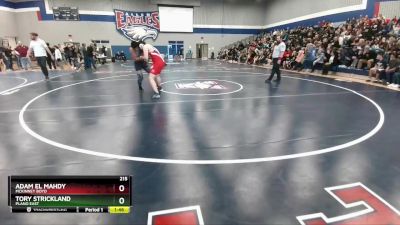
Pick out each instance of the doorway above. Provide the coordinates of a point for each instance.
(202, 51)
(175, 48)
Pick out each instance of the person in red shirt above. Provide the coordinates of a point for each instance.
(22, 51)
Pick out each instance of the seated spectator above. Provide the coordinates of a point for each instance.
(299, 60)
(396, 79)
(319, 61)
(286, 57)
(123, 56)
(374, 74)
(333, 63)
(310, 55)
(251, 54)
(117, 56)
(290, 61)
(353, 54)
(391, 69)
(356, 44)
(243, 56)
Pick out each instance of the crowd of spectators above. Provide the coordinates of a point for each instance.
(71, 56)
(371, 44)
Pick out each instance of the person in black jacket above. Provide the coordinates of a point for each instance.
(333, 62)
(50, 62)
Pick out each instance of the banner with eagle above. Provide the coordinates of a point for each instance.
(137, 26)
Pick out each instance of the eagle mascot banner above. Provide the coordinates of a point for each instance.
(137, 26)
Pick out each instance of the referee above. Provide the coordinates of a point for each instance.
(279, 50)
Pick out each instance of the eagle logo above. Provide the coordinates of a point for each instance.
(139, 33)
(137, 26)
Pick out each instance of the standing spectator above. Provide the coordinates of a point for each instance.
(2, 63)
(103, 50)
(57, 55)
(17, 54)
(23, 57)
(40, 51)
(90, 56)
(68, 52)
(9, 62)
(50, 57)
(75, 55)
(82, 51)
(279, 50)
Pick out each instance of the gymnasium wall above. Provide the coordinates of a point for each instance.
(388, 9)
(284, 13)
(210, 12)
(217, 23)
(84, 31)
(7, 24)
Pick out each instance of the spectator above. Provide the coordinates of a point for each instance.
(396, 79)
(374, 74)
(310, 55)
(23, 58)
(391, 69)
(2, 63)
(8, 58)
(319, 61)
(19, 44)
(299, 60)
(83, 54)
(90, 56)
(333, 62)
(68, 54)
(50, 57)
(57, 55)
(357, 42)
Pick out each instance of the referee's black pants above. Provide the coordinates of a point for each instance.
(42, 64)
(275, 69)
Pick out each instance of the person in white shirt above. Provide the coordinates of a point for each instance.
(40, 50)
(57, 55)
(279, 51)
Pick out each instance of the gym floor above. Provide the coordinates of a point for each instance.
(220, 140)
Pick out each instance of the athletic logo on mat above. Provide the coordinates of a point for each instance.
(137, 26)
(188, 216)
(372, 208)
(213, 85)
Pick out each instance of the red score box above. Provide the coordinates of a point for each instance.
(82, 189)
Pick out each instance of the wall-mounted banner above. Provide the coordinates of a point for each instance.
(137, 26)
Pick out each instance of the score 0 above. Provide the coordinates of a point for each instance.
(122, 188)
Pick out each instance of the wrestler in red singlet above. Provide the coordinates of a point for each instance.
(150, 51)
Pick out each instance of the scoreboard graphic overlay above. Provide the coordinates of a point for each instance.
(70, 194)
